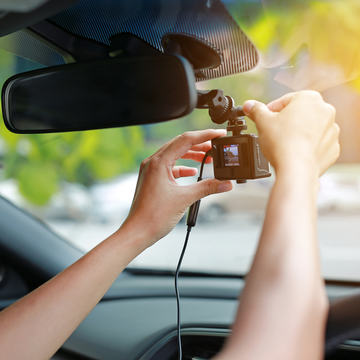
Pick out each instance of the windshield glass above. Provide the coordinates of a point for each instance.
(81, 183)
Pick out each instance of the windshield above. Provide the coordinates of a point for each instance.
(81, 183)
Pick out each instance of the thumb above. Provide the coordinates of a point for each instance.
(255, 110)
(209, 186)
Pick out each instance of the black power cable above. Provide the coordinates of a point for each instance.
(190, 222)
(177, 293)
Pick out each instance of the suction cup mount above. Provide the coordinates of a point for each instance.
(201, 54)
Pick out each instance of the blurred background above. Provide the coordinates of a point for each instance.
(82, 183)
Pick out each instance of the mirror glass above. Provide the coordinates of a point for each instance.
(116, 92)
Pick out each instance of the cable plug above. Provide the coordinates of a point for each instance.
(192, 214)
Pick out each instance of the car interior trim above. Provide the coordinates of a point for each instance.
(187, 331)
(353, 345)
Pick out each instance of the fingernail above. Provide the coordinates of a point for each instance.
(248, 105)
(223, 187)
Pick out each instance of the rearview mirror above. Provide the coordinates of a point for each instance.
(116, 92)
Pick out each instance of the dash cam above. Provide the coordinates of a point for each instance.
(237, 157)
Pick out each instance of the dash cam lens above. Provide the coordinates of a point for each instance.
(231, 155)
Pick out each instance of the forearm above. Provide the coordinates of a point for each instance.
(283, 305)
(287, 250)
(37, 325)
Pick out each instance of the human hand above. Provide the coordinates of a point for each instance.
(159, 202)
(297, 128)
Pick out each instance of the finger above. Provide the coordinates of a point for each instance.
(333, 154)
(196, 156)
(202, 148)
(256, 111)
(206, 146)
(329, 140)
(183, 171)
(329, 148)
(183, 143)
(207, 187)
(279, 104)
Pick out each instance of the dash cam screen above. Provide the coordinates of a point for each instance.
(231, 155)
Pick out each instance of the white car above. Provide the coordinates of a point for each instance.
(72, 202)
(112, 199)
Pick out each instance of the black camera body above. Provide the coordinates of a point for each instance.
(239, 158)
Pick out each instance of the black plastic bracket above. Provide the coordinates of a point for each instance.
(201, 54)
(129, 44)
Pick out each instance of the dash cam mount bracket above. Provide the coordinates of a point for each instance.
(222, 108)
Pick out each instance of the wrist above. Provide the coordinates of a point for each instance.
(129, 239)
(299, 174)
(297, 166)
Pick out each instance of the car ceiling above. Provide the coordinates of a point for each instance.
(89, 24)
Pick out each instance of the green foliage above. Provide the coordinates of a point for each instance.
(37, 181)
(40, 162)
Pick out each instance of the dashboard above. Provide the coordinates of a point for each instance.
(139, 323)
(136, 319)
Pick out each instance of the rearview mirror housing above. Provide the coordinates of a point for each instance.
(116, 92)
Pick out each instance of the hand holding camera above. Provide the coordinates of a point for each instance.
(295, 129)
(159, 202)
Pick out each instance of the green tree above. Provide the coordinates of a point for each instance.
(40, 162)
